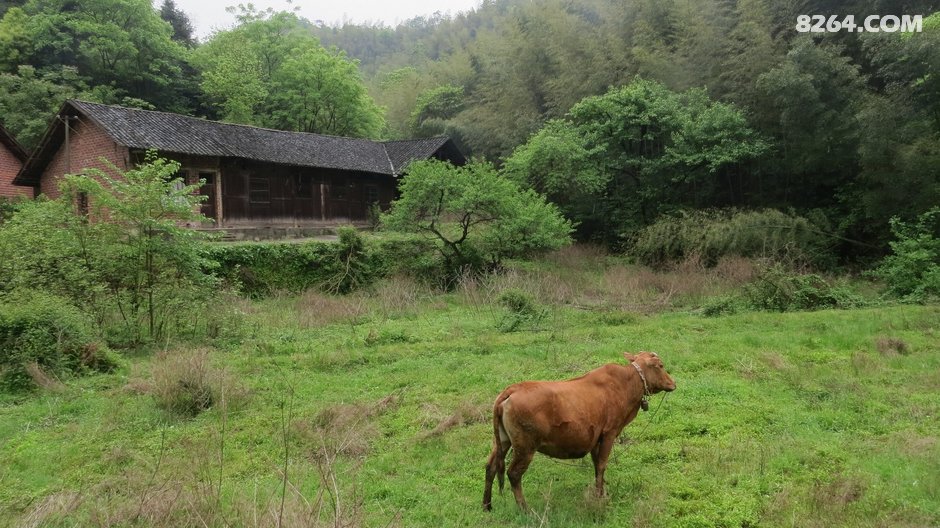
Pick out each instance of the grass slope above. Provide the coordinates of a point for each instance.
(791, 419)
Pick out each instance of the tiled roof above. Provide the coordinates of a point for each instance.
(11, 144)
(400, 153)
(145, 129)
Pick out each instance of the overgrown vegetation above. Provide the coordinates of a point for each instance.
(371, 408)
(356, 261)
(712, 235)
(129, 262)
(617, 161)
(912, 271)
(44, 336)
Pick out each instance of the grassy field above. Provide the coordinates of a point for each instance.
(376, 408)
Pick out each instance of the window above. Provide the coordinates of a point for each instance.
(304, 186)
(178, 181)
(372, 194)
(259, 190)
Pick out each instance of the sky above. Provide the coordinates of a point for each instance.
(208, 15)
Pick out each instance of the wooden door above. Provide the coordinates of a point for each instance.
(207, 208)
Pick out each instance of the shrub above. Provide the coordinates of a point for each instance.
(777, 289)
(47, 335)
(711, 235)
(351, 263)
(261, 269)
(354, 267)
(523, 310)
(912, 271)
(9, 206)
(410, 255)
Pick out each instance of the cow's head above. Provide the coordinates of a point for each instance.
(657, 379)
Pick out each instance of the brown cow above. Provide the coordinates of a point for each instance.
(569, 419)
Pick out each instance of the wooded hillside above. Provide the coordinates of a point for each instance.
(843, 128)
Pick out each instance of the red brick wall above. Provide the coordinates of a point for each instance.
(9, 166)
(88, 144)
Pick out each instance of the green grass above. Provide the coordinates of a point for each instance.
(792, 419)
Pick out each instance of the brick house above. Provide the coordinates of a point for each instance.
(12, 157)
(253, 176)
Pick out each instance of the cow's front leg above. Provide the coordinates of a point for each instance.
(599, 455)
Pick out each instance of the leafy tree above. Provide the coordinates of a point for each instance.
(149, 260)
(119, 42)
(809, 104)
(270, 71)
(29, 97)
(441, 103)
(398, 92)
(475, 215)
(14, 39)
(557, 162)
(233, 79)
(183, 31)
(319, 90)
(120, 45)
(618, 161)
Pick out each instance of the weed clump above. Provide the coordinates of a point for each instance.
(912, 271)
(185, 382)
(523, 310)
(892, 346)
(466, 413)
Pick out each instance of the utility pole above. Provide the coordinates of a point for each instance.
(68, 155)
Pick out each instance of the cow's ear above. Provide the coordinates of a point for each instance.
(630, 357)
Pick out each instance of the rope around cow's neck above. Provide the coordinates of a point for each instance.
(644, 400)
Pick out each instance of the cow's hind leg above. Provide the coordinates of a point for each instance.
(521, 459)
(495, 468)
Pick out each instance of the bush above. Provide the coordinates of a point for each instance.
(523, 310)
(409, 255)
(47, 332)
(353, 269)
(913, 270)
(260, 269)
(711, 235)
(777, 289)
(9, 206)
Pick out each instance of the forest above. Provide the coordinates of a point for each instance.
(620, 111)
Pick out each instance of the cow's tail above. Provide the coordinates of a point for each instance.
(496, 465)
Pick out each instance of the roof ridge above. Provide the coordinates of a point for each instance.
(389, 158)
(224, 123)
(439, 136)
